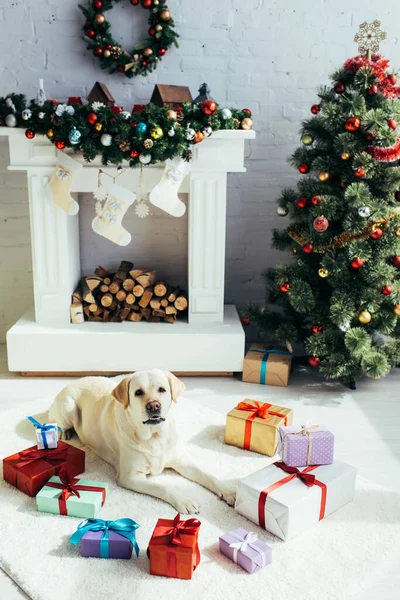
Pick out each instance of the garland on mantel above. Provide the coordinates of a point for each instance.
(151, 135)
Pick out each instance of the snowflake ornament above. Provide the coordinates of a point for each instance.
(100, 195)
(97, 105)
(142, 210)
(369, 36)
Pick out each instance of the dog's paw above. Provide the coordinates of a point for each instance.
(227, 491)
(66, 435)
(185, 505)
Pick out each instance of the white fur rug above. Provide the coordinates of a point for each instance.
(337, 559)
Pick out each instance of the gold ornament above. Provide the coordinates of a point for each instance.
(98, 127)
(156, 2)
(307, 139)
(116, 52)
(156, 133)
(364, 317)
(106, 54)
(235, 123)
(147, 52)
(345, 155)
(247, 123)
(323, 273)
(50, 133)
(396, 310)
(158, 28)
(398, 232)
(324, 176)
(165, 15)
(99, 18)
(148, 144)
(172, 114)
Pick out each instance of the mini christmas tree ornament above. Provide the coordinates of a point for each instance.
(282, 211)
(284, 287)
(307, 248)
(11, 120)
(303, 168)
(246, 124)
(321, 224)
(301, 202)
(352, 124)
(339, 87)
(324, 176)
(315, 200)
(58, 189)
(387, 290)
(392, 123)
(208, 107)
(376, 233)
(109, 214)
(364, 317)
(165, 194)
(360, 173)
(364, 211)
(314, 361)
(226, 114)
(396, 261)
(30, 134)
(373, 89)
(74, 136)
(317, 329)
(26, 114)
(323, 273)
(145, 159)
(345, 155)
(396, 310)
(315, 109)
(357, 263)
(307, 139)
(106, 139)
(157, 133)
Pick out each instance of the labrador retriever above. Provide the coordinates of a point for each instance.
(130, 424)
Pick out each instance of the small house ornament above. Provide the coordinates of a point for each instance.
(101, 93)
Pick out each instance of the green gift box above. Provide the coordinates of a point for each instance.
(65, 495)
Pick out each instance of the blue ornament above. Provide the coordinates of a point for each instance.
(141, 128)
(74, 136)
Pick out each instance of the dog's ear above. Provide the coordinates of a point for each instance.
(176, 385)
(121, 392)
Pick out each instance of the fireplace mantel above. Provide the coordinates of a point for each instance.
(212, 338)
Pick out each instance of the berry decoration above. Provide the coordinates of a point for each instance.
(357, 263)
(360, 173)
(339, 87)
(308, 248)
(387, 290)
(284, 287)
(352, 124)
(314, 361)
(397, 195)
(301, 202)
(373, 89)
(315, 200)
(317, 329)
(392, 78)
(376, 233)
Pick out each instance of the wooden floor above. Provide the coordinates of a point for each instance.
(366, 423)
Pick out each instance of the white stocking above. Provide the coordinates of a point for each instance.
(58, 189)
(108, 222)
(165, 194)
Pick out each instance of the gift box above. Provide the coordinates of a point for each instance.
(30, 469)
(66, 495)
(245, 549)
(286, 501)
(46, 434)
(106, 539)
(255, 426)
(270, 366)
(173, 549)
(306, 445)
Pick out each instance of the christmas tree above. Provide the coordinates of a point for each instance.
(341, 294)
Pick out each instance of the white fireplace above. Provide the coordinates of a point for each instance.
(211, 340)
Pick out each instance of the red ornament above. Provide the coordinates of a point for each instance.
(392, 78)
(92, 118)
(98, 51)
(284, 287)
(314, 361)
(134, 153)
(370, 136)
(301, 202)
(396, 261)
(152, 31)
(109, 46)
(377, 233)
(117, 109)
(30, 134)
(315, 109)
(303, 168)
(352, 124)
(359, 172)
(315, 200)
(245, 320)
(121, 69)
(90, 33)
(387, 290)
(97, 4)
(373, 89)
(392, 123)
(397, 195)
(208, 107)
(317, 329)
(162, 51)
(144, 63)
(357, 263)
(343, 184)
(146, 3)
(247, 111)
(321, 224)
(339, 87)
(60, 144)
(308, 248)
(135, 2)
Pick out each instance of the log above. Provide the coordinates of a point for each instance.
(77, 296)
(136, 273)
(136, 307)
(135, 316)
(128, 284)
(145, 299)
(87, 311)
(114, 287)
(152, 319)
(160, 289)
(170, 310)
(159, 313)
(104, 288)
(120, 296)
(93, 282)
(138, 291)
(172, 296)
(107, 280)
(106, 315)
(155, 303)
(115, 316)
(130, 299)
(169, 319)
(124, 313)
(99, 312)
(146, 279)
(181, 303)
(146, 312)
(101, 272)
(107, 300)
(123, 270)
(164, 302)
(76, 312)
(87, 295)
(93, 307)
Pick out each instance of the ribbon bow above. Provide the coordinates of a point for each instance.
(64, 108)
(28, 456)
(189, 527)
(61, 174)
(242, 544)
(307, 478)
(43, 428)
(305, 429)
(259, 409)
(124, 527)
(175, 175)
(70, 486)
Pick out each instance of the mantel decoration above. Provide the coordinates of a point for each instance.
(144, 57)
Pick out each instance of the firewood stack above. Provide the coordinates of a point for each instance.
(127, 295)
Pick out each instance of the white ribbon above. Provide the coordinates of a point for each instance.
(175, 175)
(245, 542)
(61, 174)
(64, 108)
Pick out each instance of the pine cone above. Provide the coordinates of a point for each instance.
(148, 144)
(116, 52)
(187, 155)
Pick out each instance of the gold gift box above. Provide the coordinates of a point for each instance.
(258, 434)
(274, 370)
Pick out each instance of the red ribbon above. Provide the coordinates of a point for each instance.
(173, 534)
(308, 480)
(69, 488)
(259, 410)
(30, 455)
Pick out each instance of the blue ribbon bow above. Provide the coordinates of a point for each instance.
(43, 427)
(124, 527)
(267, 352)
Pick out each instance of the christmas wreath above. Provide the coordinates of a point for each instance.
(145, 56)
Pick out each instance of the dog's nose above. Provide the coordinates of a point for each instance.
(153, 406)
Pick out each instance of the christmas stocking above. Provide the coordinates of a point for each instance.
(111, 212)
(57, 190)
(165, 194)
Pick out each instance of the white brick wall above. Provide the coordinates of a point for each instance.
(269, 55)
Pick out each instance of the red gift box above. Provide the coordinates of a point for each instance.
(30, 469)
(173, 549)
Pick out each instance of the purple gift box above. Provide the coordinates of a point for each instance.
(118, 545)
(301, 446)
(243, 548)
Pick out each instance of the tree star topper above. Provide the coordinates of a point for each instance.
(369, 36)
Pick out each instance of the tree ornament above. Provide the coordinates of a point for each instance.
(284, 287)
(90, 33)
(134, 2)
(307, 139)
(364, 211)
(26, 114)
(317, 329)
(396, 310)
(208, 107)
(307, 248)
(345, 155)
(324, 176)
(158, 28)
(301, 202)
(162, 51)
(30, 134)
(60, 144)
(345, 326)
(360, 173)
(226, 113)
(134, 153)
(339, 87)
(199, 137)
(50, 133)
(392, 78)
(370, 136)
(92, 118)
(147, 52)
(376, 233)
(246, 111)
(145, 159)
(398, 232)
(364, 317)
(10, 120)
(106, 139)
(98, 126)
(172, 114)
(315, 109)
(352, 124)
(357, 263)
(323, 273)
(190, 133)
(392, 123)
(303, 168)
(171, 132)
(245, 320)
(74, 136)
(207, 131)
(97, 4)
(157, 133)
(246, 124)
(282, 211)
(98, 51)
(116, 52)
(141, 128)
(99, 19)
(146, 3)
(321, 224)
(396, 261)
(165, 15)
(315, 200)
(106, 53)
(314, 361)
(397, 195)
(373, 89)
(387, 290)
(148, 144)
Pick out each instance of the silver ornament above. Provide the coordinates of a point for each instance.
(282, 211)
(190, 133)
(345, 326)
(145, 159)
(171, 132)
(26, 114)
(10, 120)
(226, 113)
(41, 115)
(125, 114)
(364, 211)
(106, 139)
(207, 131)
